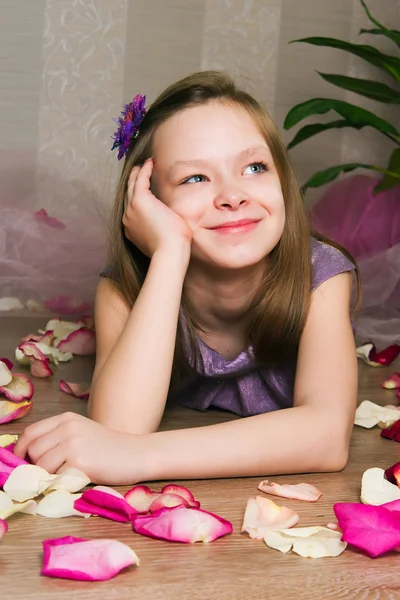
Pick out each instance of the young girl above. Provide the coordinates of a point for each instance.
(216, 295)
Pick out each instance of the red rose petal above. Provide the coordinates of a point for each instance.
(385, 357)
(8, 462)
(3, 527)
(392, 432)
(392, 474)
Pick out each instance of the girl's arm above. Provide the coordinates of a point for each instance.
(314, 435)
(135, 348)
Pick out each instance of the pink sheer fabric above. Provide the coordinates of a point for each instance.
(47, 264)
(368, 226)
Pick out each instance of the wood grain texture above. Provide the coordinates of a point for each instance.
(234, 567)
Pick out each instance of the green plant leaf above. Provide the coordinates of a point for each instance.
(392, 34)
(355, 115)
(389, 64)
(327, 175)
(382, 30)
(390, 180)
(364, 87)
(310, 130)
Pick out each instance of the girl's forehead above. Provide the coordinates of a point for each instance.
(206, 128)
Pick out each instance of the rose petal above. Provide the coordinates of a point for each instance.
(8, 507)
(374, 529)
(19, 389)
(81, 342)
(75, 389)
(182, 491)
(309, 542)
(26, 482)
(5, 373)
(3, 528)
(10, 303)
(140, 497)
(375, 489)
(38, 361)
(181, 524)
(392, 474)
(86, 560)
(369, 414)
(392, 383)
(71, 480)
(11, 411)
(386, 356)
(45, 338)
(167, 500)
(6, 440)
(298, 491)
(264, 515)
(7, 363)
(62, 329)
(43, 217)
(105, 502)
(58, 504)
(392, 432)
(8, 462)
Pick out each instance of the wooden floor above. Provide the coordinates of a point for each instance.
(234, 567)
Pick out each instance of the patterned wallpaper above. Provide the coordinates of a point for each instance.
(69, 65)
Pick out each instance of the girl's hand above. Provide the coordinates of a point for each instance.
(150, 224)
(70, 440)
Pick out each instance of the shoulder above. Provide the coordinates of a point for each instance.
(326, 262)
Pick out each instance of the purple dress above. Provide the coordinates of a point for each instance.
(239, 385)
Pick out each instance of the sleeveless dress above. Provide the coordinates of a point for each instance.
(239, 385)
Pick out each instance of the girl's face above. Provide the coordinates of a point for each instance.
(213, 167)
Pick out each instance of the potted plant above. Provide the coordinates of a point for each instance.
(352, 115)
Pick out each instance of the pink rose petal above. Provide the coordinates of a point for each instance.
(8, 462)
(392, 383)
(182, 491)
(181, 524)
(392, 474)
(19, 389)
(11, 411)
(298, 491)
(46, 338)
(140, 497)
(107, 503)
(42, 217)
(167, 500)
(39, 362)
(81, 342)
(392, 432)
(75, 389)
(85, 560)
(3, 527)
(7, 362)
(262, 515)
(374, 529)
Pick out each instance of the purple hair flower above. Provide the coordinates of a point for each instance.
(128, 124)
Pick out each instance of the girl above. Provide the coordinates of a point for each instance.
(216, 295)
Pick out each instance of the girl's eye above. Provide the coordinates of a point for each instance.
(258, 167)
(194, 179)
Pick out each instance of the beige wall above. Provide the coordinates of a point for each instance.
(68, 66)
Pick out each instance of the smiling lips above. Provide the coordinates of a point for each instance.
(242, 226)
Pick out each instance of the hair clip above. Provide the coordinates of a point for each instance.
(128, 124)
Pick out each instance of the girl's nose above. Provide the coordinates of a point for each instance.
(231, 197)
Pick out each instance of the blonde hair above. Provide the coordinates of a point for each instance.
(277, 315)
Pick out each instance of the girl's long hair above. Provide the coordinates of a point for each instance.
(278, 312)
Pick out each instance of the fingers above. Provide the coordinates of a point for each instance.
(43, 444)
(54, 460)
(139, 179)
(35, 431)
